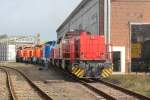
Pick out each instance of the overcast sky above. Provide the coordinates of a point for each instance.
(31, 16)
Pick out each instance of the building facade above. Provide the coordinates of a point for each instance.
(9, 44)
(116, 19)
(85, 16)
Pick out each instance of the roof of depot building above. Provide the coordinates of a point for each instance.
(75, 11)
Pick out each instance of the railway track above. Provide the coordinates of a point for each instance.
(116, 92)
(103, 89)
(101, 95)
(107, 90)
(21, 87)
(127, 94)
(5, 90)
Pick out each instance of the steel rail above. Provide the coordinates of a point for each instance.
(40, 92)
(129, 92)
(9, 85)
(90, 87)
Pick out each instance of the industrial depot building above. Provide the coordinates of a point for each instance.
(125, 23)
(9, 45)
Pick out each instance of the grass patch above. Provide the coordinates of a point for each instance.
(137, 83)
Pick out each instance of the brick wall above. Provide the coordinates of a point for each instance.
(122, 13)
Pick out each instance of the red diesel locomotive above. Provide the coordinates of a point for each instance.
(84, 54)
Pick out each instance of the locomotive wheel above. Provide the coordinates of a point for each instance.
(107, 72)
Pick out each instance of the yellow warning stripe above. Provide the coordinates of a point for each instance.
(108, 72)
(74, 70)
(103, 75)
(80, 73)
(77, 71)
